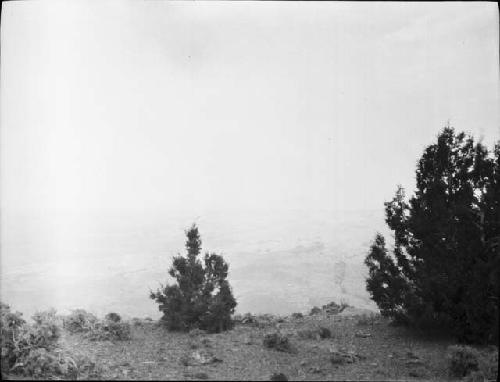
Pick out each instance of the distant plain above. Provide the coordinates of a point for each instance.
(280, 262)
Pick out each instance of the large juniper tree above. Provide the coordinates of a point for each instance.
(443, 265)
(202, 296)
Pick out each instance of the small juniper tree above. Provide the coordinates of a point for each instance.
(202, 296)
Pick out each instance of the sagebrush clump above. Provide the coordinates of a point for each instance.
(115, 317)
(462, 360)
(109, 329)
(202, 296)
(32, 350)
(367, 319)
(80, 321)
(315, 310)
(279, 342)
(317, 333)
(465, 361)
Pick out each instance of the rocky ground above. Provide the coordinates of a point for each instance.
(346, 346)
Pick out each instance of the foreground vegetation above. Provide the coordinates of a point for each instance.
(331, 343)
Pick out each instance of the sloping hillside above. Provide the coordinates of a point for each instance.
(373, 350)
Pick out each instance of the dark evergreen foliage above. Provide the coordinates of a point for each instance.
(443, 267)
(201, 297)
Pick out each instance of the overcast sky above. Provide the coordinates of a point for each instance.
(207, 105)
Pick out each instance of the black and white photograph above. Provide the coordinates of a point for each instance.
(249, 190)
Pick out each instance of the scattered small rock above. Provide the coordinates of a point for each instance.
(204, 358)
(414, 362)
(315, 370)
(206, 342)
(202, 376)
(416, 374)
(341, 357)
(184, 360)
(410, 354)
(362, 335)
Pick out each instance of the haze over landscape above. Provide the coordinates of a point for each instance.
(280, 129)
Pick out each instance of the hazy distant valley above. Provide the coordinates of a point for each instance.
(280, 262)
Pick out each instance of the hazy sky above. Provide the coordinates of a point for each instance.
(156, 104)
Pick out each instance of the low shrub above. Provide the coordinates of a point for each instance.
(80, 321)
(31, 350)
(114, 317)
(278, 342)
(334, 308)
(237, 318)
(315, 310)
(475, 365)
(42, 363)
(201, 375)
(143, 322)
(488, 367)
(196, 332)
(308, 334)
(267, 318)
(87, 368)
(297, 316)
(324, 332)
(10, 320)
(260, 321)
(248, 318)
(10, 326)
(315, 333)
(137, 321)
(488, 364)
(48, 328)
(109, 331)
(20, 338)
(278, 377)
(462, 360)
(367, 319)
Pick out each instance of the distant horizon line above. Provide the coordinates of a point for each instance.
(161, 210)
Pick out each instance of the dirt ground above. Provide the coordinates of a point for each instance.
(378, 351)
